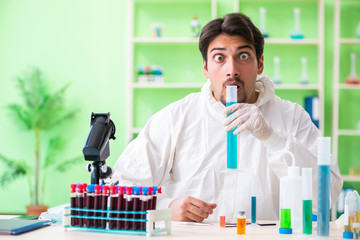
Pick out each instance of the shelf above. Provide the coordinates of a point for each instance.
(348, 86)
(168, 85)
(196, 40)
(296, 87)
(346, 132)
(164, 40)
(292, 41)
(349, 41)
(349, 178)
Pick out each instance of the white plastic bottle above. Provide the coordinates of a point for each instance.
(291, 200)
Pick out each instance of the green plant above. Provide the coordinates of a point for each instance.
(40, 111)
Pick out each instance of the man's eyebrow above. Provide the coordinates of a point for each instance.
(244, 46)
(213, 49)
(238, 48)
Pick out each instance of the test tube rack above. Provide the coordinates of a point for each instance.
(158, 222)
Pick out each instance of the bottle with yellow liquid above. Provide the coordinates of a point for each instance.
(241, 223)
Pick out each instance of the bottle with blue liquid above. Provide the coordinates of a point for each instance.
(323, 218)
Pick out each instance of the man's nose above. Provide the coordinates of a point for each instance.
(232, 70)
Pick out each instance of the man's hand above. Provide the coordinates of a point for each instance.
(247, 116)
(190, 209)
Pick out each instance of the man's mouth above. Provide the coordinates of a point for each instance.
(235, 82)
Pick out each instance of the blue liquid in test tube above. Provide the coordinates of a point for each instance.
(253, 210)
(323, 218)
(231, 98)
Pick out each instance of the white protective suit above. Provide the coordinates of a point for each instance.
(182, 149)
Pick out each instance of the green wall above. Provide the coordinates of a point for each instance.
(82, 42)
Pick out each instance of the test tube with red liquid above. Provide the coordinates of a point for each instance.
(154, 198)
(136, 208)
(150, 201)
(80, 203)
(85, 194)
(113, 206)
(120, 207)
(128, 207)
(104, 203)
(73, 221)
(144, 199)
(97, 205)
(90, 206)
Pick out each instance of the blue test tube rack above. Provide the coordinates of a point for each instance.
(152, 216)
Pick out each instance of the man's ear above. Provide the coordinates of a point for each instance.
(205, 69)
(261, 65)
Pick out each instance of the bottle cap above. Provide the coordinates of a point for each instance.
(285, 230)
(348, 235)
(105, 189)
(150, 190)
(159, 190)
(231, 93)
(155, 188)
(241, 212)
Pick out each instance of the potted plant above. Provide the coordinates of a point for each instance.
(40, 111)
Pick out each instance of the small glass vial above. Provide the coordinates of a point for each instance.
(241, 223)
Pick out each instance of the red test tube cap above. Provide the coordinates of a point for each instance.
(112, 190)
(97, 189)
(150, 190)
(121, 190)
(128, 190)
(73, 188)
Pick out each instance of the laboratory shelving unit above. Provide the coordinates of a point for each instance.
(342, 40)
(317, 42)
(135, 41)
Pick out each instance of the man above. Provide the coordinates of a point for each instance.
(183, 147)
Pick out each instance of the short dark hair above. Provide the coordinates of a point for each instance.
(233, 24)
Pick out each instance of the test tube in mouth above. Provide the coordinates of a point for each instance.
(231, 98)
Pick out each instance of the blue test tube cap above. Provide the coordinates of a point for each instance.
(348, 235)
(145, 190)
(155, 188)
(285, 230)
(136, 190)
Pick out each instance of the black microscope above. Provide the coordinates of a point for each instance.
(96, 148)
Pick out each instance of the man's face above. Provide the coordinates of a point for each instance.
(231, 60)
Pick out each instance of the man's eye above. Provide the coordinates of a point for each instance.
(244, 56)
(218, 58)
